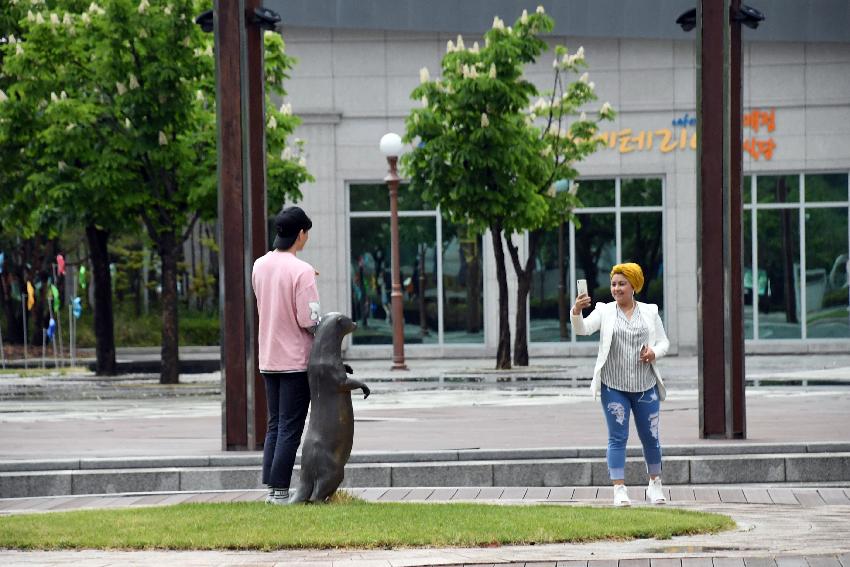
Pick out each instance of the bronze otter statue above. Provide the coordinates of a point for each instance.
(330, 432)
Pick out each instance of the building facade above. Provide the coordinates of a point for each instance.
(359, 61)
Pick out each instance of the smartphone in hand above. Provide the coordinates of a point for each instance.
(581, 287)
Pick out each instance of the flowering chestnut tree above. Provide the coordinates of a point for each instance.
(489, 154)
(107, 121)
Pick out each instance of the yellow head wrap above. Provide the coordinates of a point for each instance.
(632, 272)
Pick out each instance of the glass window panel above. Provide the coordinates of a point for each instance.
(549, 297)
(463, 286)
(746, 190)
(418, 269)
(376, 197)
(596, 192)
(748, 274)
(372, 281)
(640, 192)
(642, 242)
(778, 274)
(827, 301)
(778, 188)
(596, 253)
(826, 187)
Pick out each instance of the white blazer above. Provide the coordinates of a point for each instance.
(602, 319)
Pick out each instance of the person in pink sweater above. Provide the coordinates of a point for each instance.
(288, 307)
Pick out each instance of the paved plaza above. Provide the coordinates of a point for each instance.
(462, 406)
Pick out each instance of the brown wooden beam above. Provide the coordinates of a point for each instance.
(230, 215)
(257, 244)
(242, 216)
(719, 248)
(736, 397)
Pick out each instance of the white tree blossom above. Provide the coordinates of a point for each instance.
(163, 139)
(484, 120)
(424, 76)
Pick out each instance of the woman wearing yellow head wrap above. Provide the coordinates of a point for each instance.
(632, 338)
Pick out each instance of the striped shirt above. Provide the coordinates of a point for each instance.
(623, 370)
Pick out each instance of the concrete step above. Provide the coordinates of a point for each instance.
(691, 465)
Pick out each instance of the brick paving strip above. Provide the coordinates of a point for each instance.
(793, 496)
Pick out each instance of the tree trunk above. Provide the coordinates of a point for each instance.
(503, 351)
(13, 333)
(104, 331)
(788, 255)
(525, 277)
(170, 366)
(521, 338)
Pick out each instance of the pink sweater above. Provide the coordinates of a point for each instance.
(288, 305)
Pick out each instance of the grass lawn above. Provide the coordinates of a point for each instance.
(352, 524)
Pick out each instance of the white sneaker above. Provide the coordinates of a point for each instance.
(654, 492)
(278, 496)
(621, 495)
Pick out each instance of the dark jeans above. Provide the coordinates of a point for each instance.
(288, 397)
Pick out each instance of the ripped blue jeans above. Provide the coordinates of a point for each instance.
(646, 407)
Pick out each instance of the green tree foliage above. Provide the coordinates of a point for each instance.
(112, 105)
(490, 158)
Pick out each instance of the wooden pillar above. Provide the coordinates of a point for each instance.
(242, 216)
(719, 219)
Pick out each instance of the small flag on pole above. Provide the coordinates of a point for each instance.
(30, 296)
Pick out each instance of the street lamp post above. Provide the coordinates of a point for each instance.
(391, 147)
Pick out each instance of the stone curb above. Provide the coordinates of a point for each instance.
(706, 469)
(366, 457)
